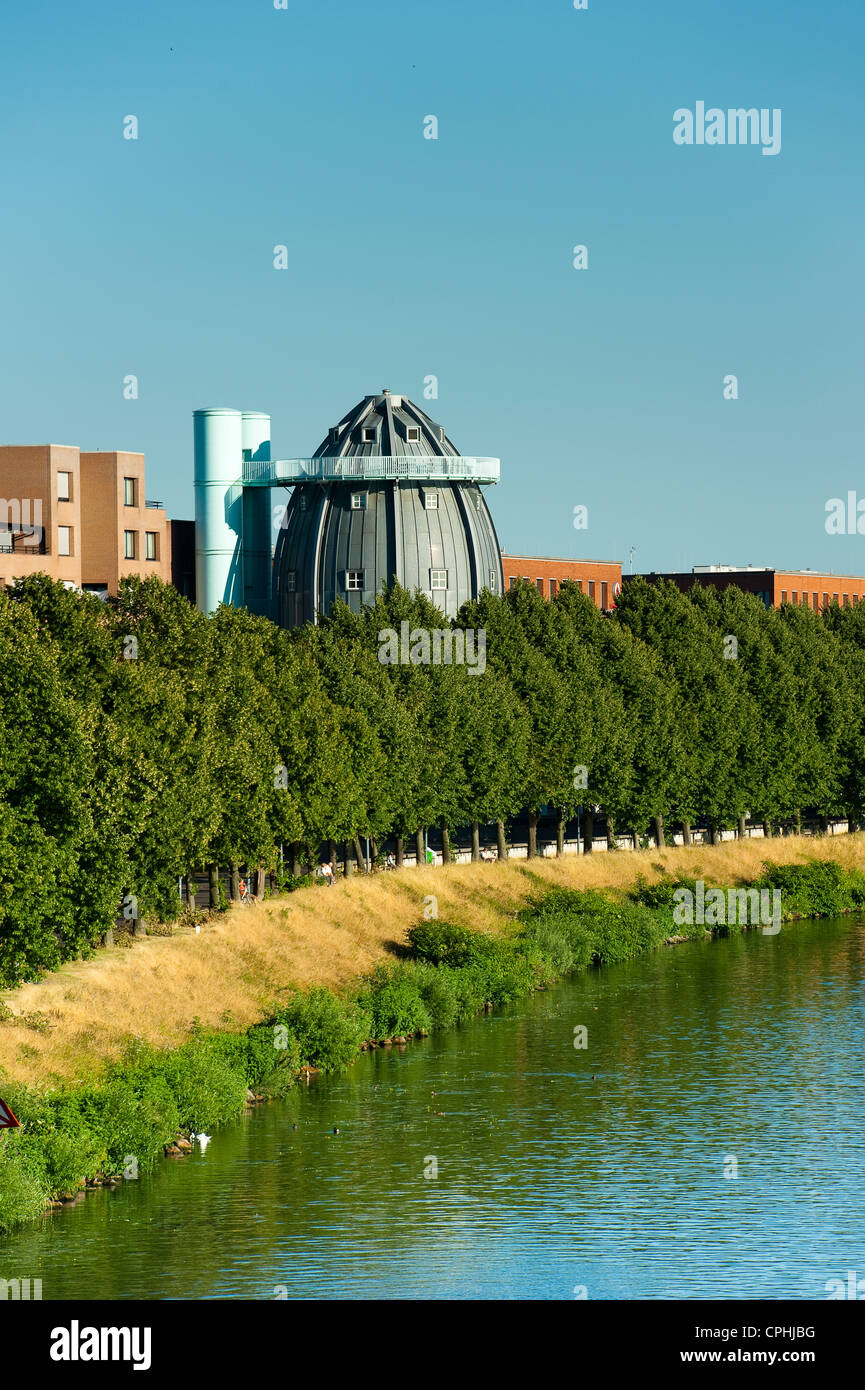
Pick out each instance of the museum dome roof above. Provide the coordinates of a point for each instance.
(385, 425)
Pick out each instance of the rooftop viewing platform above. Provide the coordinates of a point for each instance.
(330, 468)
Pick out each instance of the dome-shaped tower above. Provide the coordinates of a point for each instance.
(385, 497)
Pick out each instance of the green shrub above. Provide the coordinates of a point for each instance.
(23, 1190)
(440, 993)
(271, 1069)
(660, 895)
(394, 1001)
(328, 1030)
(442, 943)
(819, 888)
(549, 946)
(209, 1089)
(132, 1116)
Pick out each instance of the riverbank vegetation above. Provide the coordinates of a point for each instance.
(509, 930)
(142, 742)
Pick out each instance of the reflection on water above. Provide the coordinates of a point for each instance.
(558, 1169)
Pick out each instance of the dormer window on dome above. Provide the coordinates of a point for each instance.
(369, 434)
(412, 434)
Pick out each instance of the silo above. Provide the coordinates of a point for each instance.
(256, 517)
(218, 507)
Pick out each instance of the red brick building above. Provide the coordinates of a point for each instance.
(600, 580)
(773, 587)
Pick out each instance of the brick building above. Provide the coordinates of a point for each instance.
(83, 518)
(600, 580)
(773, 587)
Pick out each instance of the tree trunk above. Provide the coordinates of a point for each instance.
(686, 832)
(658, 826)
(533, 835)
(108, 937)
(824, 824)
(560, 832)
(373, 850)
(501, 842)
(359, 854)
(797, 821)
(588, 830)
(261, 881)
(234, 882)
(400, 851)
(768, 830)
(742, 828)
(476, 842)
(419, 846)
(213, 884)
(714, 834)
(612, 842)
(446, 844)
(348, 858)
(191, 891)
(139, 926)
(294, 859)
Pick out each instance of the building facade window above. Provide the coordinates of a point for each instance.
(539, 584)
(431, 501)
(783, 595)
(554, 585)
(129, 492)
(825, 600)
(604, 592)
(369, 434)
(291, 582)
(64, 487)
(512, 582)
(151, 545)
(64, 540)
(591, 583)
(129, 545)
(302, 501)
(492, 579)
(794, 596)
(412, 434)
(358, 501)
(354, 579)
(846, 600)
(834, 598)
(438, 579)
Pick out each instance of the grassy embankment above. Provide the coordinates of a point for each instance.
(108, 1059)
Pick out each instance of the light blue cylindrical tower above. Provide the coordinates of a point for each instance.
(256, 553)
(218, 507)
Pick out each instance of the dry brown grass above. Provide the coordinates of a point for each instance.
(241, 963)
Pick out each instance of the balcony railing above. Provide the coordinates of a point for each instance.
(328, 468)
(28, 542)
(155, 506)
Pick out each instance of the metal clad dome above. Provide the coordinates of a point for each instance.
(343, 538)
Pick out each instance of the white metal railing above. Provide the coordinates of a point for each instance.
(327, 468)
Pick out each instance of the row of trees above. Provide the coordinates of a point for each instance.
(141, 741)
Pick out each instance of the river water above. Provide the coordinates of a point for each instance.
(605, 1173)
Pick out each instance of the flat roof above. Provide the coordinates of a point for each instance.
(558, 559)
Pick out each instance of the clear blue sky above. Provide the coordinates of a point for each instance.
(453, 257)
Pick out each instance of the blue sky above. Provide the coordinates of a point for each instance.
(453, 257)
